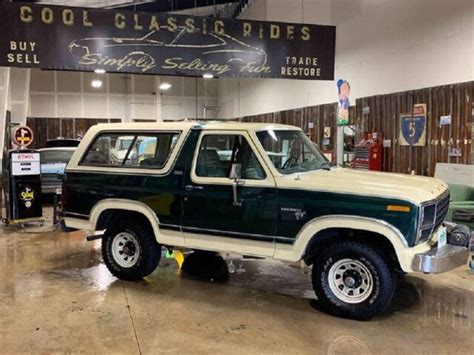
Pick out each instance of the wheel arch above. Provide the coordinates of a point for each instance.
(100, 213)
(322, 229)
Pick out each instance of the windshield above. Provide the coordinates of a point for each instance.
(56, 156)
(292, 151)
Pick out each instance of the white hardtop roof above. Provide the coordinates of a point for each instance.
(187, 125)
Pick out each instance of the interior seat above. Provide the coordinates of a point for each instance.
(209, 164)
(252, 169)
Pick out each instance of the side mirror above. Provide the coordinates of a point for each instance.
(236, 171)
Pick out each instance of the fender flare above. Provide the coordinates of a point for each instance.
(313, 227)
(127, 205)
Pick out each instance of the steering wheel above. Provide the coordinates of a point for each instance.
(288, 163)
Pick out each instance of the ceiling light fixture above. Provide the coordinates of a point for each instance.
(208, 76)
(99, 71)
(165, 86)
(96, 83)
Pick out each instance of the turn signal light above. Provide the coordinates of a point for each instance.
(398, 208)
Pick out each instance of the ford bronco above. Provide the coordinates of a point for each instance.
(262, 190)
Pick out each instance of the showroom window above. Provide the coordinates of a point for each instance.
(217, 153)
(129, 150)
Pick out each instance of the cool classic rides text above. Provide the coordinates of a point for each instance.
(75, 17)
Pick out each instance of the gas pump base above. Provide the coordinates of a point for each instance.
(23, 221)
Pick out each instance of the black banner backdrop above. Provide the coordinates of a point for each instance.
(63, 38)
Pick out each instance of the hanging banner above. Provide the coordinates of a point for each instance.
(73, 38)
(413, 126)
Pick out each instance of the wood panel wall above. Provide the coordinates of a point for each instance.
(312, 120)
(45, 128)
(456, 100)
(384, 115)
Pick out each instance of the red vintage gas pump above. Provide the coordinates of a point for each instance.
(369, 152)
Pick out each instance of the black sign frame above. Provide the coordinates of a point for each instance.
(85, 39)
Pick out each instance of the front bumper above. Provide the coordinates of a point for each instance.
(446, 258)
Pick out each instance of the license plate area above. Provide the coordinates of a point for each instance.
(442, 236)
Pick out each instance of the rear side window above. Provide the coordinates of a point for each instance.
(131, 150)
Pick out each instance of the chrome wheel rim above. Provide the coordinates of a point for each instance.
(350, 281)
(125, 249)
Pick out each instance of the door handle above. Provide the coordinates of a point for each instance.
(236, 183)
(193, 188)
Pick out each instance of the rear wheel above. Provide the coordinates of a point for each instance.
(353, 280)
(130, 250)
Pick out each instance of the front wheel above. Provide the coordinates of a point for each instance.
(353, 280)
(130, 250)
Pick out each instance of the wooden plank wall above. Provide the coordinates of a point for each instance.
(320, 116)
(45, 128)
(384, 115)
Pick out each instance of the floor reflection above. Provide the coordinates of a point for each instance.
(58, 283)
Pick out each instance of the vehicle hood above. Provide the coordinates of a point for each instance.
(416, 189)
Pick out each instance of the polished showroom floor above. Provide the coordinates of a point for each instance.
(56, 295)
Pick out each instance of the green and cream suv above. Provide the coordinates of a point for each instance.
(262, 190)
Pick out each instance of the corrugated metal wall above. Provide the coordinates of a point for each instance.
(382, 113)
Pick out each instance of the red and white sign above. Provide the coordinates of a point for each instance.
(22, 136)
(25, 164)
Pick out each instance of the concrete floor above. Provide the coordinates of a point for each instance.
(56, 295)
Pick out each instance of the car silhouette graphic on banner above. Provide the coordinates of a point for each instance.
(180, 52)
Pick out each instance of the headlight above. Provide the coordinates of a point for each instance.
(428, 216)
(431, 216)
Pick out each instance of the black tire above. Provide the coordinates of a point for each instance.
(206, 265)
(144, 241)
(358, 263)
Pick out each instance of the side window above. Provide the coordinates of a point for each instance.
(104, 150)
(217, 153)
(111, 149)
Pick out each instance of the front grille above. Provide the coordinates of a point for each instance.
(432, 216)
(442, 207)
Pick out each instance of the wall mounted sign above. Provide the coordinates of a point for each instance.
(22, 136)
(327, 132)
(445, 120)
(454, 152)
(413, 126)
(73, 38)
(343, 91)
